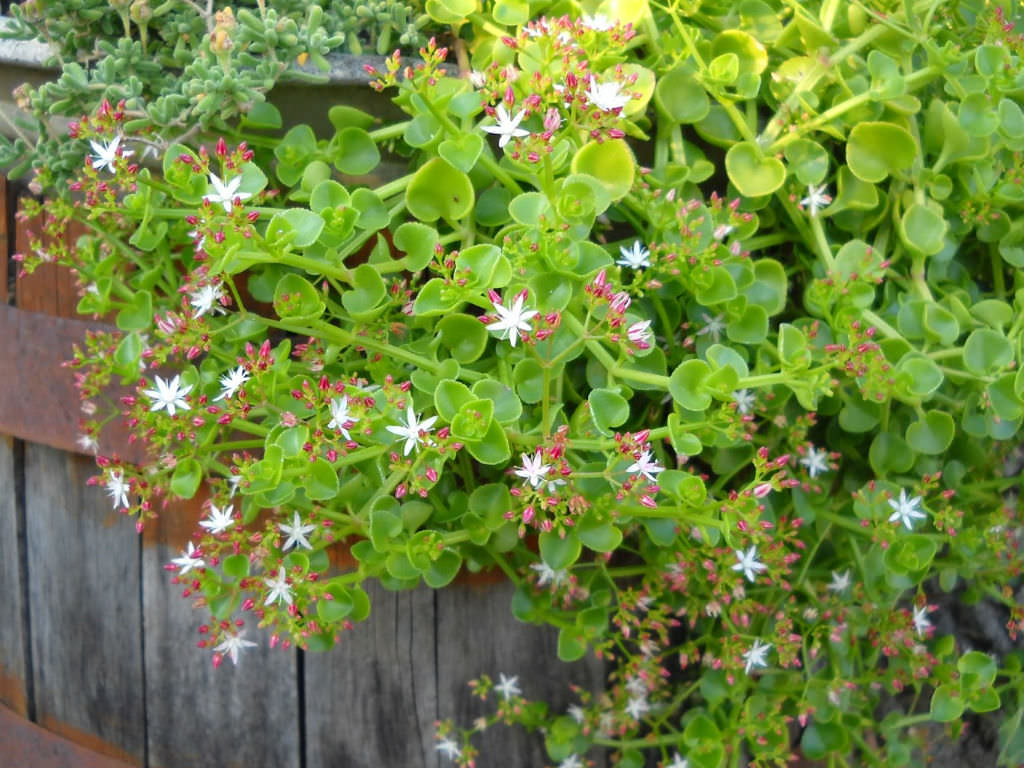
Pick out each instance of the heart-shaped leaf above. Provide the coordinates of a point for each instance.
(462, 153)
(753, 173)
(439, 190)
(875, 149)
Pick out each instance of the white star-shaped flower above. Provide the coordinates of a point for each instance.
(233, 645)
(234, 481)
(533, 470)
(508, 687)
(572, 761)
(576, 712)
(106, 154)
(840, 581)
(715, 326)
(448, 748)
(636, 257)
(921, 623)
(412, 430)
(816, 199)
(220, 519)
(744, 400)
(169, 395)
(756, 656)
(678, 762)
(280, 589)
(87, 443)
(507, 127)
(206, 299)
(816, 461)
(598, 22)
(340, 416)
(189, 559)
(512, 320)
(117, 489)
(231, 382)
(639, 332)
(548, 575)
(637, 707)
(748, 563)
(607, 96)
(647, 466)
(225, 193)
(296, 533)
(906, 509)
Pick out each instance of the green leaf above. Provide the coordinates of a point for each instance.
(464, 336)
(335, 605)
(296, 299)
(977, 671)
(443, 570)
(236, 566)
(472, 420)
(321, 481)
(138, 315)
(608, 409)
(373, 215)
(680, 98)
(463, 152)
(808, 161)
(493, 448)
(436, 298)
(610, 162)
(304, 226)
(418, 242)
(923, 376)
(977, 115)
(986, 351)
(367, 294)
(450, 396)
(686, 385)
(874, 150)
(507, 407)
(931, 434)
(922, 229)
(946, 705)
(572, 644)
(752, 172)
(450, 11)
(353, 151)
(559, 552)
(599, 536)
(529, 380)
(439, 190)
(186, 478)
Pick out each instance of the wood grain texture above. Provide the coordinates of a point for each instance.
(83, 574)
(23, 744)
(477, 634)
(371, 701)
(33, 347)
(231, 717)
(5, 243)
(13, 668)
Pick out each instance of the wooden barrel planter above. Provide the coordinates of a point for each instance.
(98, 659)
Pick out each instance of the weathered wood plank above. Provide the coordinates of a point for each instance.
(477, 634)
(13, 666)
(372, 700)
(25, 744)
(5, 243)
(32, 348)
(36, 292)
(235, 717)
(83, 573)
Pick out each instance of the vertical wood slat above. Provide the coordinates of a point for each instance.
(235, 717)
(83, 573)
(50, 289)
(5, 243)
(372, 700)
(477, 634)
(13, 664)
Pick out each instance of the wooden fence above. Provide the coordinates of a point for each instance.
(98, 646)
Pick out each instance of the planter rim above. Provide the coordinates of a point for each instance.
(346, 68)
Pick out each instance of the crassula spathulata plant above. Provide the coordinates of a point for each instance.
(702, 322)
